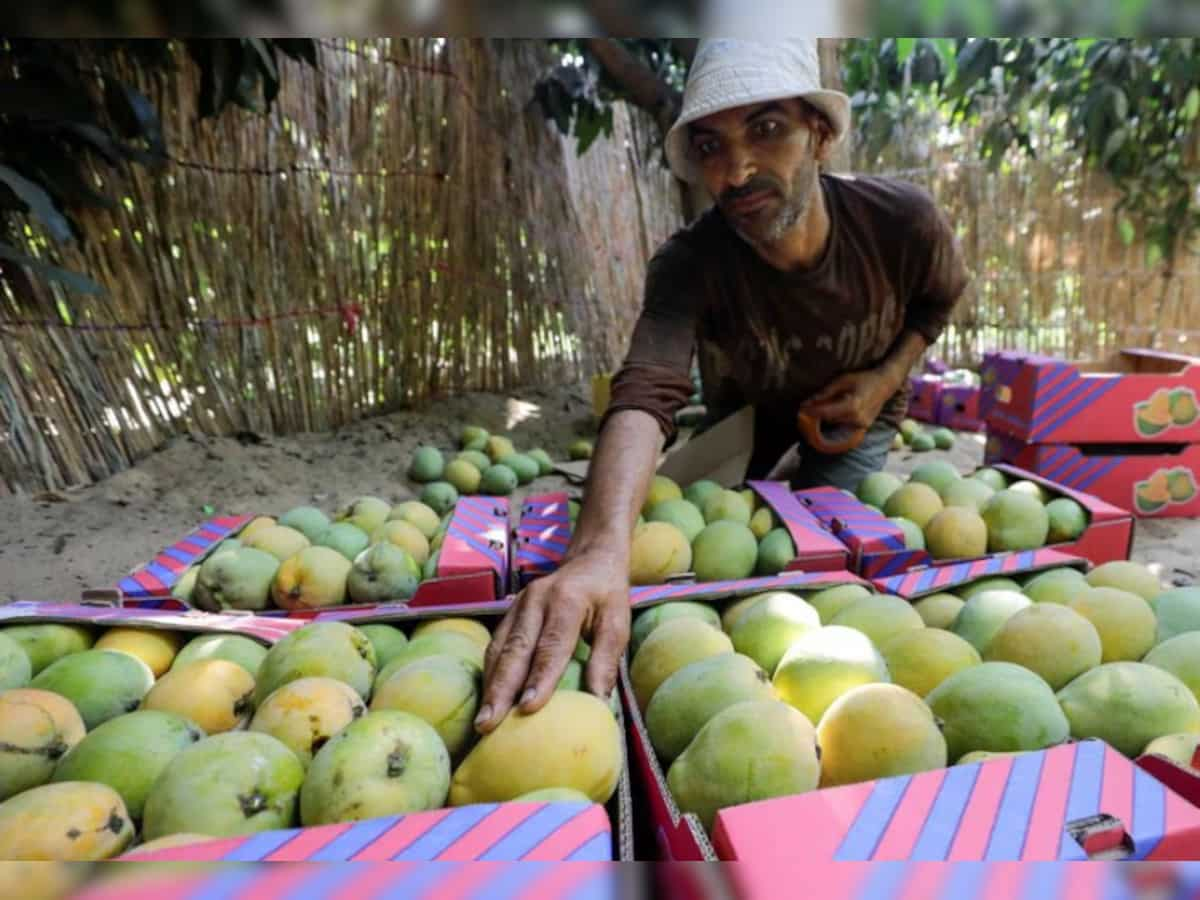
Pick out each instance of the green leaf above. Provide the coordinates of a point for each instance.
(1113, 145)
(73, 280)
(1191, 106)
(39, 203)
(1126, 230)
(904, 48)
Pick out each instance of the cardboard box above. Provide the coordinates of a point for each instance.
(925, 401)
(719, 591)
(1146, 480)
(958, 408)
(266, 630)
(921, 582)
(542, 537)
(877, 547)
(1072, 802)
(1135, 396)
(472, 566)
(1182, 779)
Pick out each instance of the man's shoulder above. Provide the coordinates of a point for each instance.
(699, 240)
(891, 199)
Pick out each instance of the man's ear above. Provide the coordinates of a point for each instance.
(824, 145)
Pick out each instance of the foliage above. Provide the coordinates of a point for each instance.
(63, 107)
(1034, 17)
(577, 94)
(1130, 107)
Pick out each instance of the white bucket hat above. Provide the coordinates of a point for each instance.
(728, 72)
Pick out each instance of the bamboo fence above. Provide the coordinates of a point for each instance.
(403, 225)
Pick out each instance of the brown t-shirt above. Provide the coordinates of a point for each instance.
(771, 338)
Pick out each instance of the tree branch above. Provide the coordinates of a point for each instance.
(642, 87)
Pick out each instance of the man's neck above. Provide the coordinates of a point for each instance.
(805, 243)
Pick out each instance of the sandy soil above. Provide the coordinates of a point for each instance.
(54, 547)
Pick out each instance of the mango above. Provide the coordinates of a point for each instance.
(920, 660)
(246, 652)
(831, 601)
(37, 728)
(580, 449)
(127, 753)
(661, 490)
(1128, 576)
(698, 492)
(1050, 640)
(735, 610)
(499, 447)
(364, 513)
(186, 585)
(441, 690)
(308, 520)
(254, 526)
(427, 464)
(44, 644)
(1177, 611)
(471, 628)
(71, 821)
(465, 475)
(988, 584)
(880, 617)
(997, 706)
(348, 540)
(1124, 621)
(1180, 656)
(1181, 749)
(1015, 521)
(155, 648)
(554, 795)
(967, 493)
(573, 741)
(406, 536)
(763, 522)
(878, 731)
(420, 515)
(876, 488)
(544, 463)
(724, 551)
(728, 506)
(388, 641)
(472, 434)
(979, 756)
(938, 474)
(984, 614)
(15, 668)
(769, 627)
(646, 622)
(697, 692)
(214, 693)
(304, 714)
(441, 497)
(670, 647)
(1068, 520)
(102, 684)
(939, 610)
(775, 552)
(914, 537)
(498, 480)
(956, 533)
(384, 573)
(235, 579)
(994, 479)
(753, 750)
(680, 513)
(822, 665)
(278, 540)
(1129, 704)
(240, 782)
(322, 649)
(1056, 586)
(436, 643)
(168, 842)
(660, 551)
(916, 502)
(1030, 489)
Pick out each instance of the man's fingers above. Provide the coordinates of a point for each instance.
(511, 666)
(495, 647)
(554, 650)
(610, 635)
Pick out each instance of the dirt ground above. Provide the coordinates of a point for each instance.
(54, 547)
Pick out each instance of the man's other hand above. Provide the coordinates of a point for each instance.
(854, 399)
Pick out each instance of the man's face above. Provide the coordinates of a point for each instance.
(760, 164)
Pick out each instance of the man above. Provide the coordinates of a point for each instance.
(799, 291)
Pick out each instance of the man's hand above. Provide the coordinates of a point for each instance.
(532, 645)
(854, 399)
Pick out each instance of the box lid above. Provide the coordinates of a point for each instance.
(946, 577)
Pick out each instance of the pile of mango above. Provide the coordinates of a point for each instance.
(963, 518)
(715, 533)
(143, 737)
(783, 693)
(485, 464)
(915, 437)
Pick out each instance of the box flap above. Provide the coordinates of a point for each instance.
(650, 595)
(155, 579)
(264, 628)
(938, 578)
(722, 454)
(808, 534)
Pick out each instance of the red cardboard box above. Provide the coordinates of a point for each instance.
(1159, 483)
(877, 547)
(958, 408)
(718, 591)
(1065, 803)
(926, 397)
(543, 535)
(472, 565)
(1136, 396)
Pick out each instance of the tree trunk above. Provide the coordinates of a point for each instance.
(830, 55)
